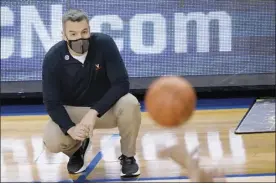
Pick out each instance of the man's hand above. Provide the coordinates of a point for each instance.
(78, 132)
(89, 120)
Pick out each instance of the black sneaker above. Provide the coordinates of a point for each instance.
(76, 161)
(129, 166)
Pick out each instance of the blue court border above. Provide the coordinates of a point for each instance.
(202, 104)
(176, 178)
(163, 178)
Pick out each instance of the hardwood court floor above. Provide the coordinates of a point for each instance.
(24, 159)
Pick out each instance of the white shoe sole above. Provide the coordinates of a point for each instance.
(81, 169)
(134, 174)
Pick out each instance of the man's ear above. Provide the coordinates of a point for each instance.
(63, 36)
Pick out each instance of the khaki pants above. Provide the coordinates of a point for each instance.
(125, 115)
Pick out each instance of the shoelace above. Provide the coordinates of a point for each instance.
(128, 160)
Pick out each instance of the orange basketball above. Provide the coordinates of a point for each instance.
(170, 101)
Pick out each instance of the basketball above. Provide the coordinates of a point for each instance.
(170, 101)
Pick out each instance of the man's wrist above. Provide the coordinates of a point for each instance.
(70, 130)
(94, 112)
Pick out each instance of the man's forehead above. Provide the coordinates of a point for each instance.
(77, 30)
(76, 26)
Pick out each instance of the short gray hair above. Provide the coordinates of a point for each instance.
(74, 15)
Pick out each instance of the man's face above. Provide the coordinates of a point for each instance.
(76, 30)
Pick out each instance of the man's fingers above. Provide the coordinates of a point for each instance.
(85, 128)
(82, 126)
(82, 134)
(79, 138)
(90, 133)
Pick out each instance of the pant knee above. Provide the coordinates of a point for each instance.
(66, 146)
(128, 103)
(52, 147)
(55, 141)
(128, 110)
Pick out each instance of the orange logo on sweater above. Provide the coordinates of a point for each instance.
(98, 67)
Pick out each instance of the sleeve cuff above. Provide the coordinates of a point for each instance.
(65, 129)
(99, 110)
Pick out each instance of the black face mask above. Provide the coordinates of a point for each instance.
(79, 46)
